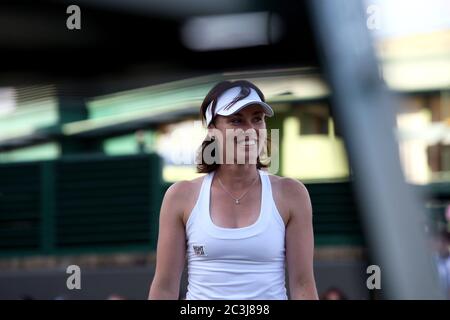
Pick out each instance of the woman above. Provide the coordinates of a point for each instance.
(238, 225)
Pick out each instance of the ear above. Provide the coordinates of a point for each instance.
(211, 126)
(212, 131)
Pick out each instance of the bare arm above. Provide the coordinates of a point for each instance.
(171, 249)
(300, 242)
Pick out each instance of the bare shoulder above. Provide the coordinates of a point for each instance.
(184, 194)
(288, 186)
(182, 191)
(182, 188)
(291, 196)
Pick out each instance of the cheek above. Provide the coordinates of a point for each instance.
(262, 126)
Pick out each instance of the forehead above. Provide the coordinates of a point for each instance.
(249, 110)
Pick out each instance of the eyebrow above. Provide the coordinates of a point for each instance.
(254, 113)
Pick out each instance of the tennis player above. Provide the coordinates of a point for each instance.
(238, 227)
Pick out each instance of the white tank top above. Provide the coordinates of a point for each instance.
(236, 263)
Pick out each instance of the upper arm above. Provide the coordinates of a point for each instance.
(299, 241)
(171, 248)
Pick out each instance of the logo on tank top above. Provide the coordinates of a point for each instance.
(199, 250)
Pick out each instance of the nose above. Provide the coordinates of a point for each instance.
(248, 124)
(249, 130)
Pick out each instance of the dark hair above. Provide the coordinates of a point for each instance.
(213, 96)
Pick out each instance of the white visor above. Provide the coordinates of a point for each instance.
(228, 96)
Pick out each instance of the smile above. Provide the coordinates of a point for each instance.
(247, 143)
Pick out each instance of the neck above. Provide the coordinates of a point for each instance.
(237, 175)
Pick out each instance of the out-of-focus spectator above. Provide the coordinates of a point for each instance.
(115, 296)
(442, 256)
(333, 293)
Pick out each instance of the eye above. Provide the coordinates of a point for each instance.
(235, 121)
(258, 119)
